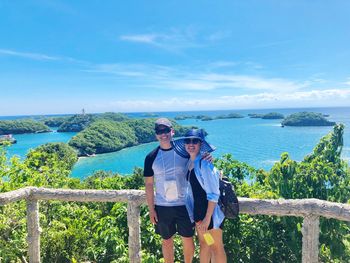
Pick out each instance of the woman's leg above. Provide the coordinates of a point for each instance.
(217, 249)
(204, 251)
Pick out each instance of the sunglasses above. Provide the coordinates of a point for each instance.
(163, 131)
(192, 141)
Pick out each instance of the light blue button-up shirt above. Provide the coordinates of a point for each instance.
(208, 177)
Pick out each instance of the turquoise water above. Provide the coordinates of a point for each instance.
(255, 141)
(29, 141)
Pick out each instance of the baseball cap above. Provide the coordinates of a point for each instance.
(164, 122)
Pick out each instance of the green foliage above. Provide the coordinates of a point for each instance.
(230, 116)
(321, 175)
(76, 123)
(306, 119)
(112, 116)
(143, 129)
(270, 115)
(79, 122)
(273, 115)
(255, 115)
(63, 152)
(7, 141)
(208, 118)
(22, 126)
(104, 136)
(54, 121)
(184, 117)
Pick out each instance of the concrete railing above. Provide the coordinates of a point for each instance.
(309, 209)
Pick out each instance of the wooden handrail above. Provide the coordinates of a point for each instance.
(309, 209)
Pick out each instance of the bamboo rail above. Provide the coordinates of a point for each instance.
(309, 209)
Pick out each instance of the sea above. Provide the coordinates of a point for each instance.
(257, 142)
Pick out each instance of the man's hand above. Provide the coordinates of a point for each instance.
(150, 199)
(153, 216)
(208, 157)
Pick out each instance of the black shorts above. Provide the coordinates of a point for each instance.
(172, 219)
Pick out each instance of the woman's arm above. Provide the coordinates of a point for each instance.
(204, 224)
(210, 176)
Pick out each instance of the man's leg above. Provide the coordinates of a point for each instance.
(185, 228)
(168, 250)
(166, 228)
(188, 247)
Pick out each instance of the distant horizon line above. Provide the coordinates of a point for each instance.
(136, 112)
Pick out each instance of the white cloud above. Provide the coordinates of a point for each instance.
(192, 79)
(176, 39)
(219, 35)
(149, 39)
(273, 44)
(347, 82)
(173, 41)
(35, 56)
(312, 98)
(41, 57)
(223, 64)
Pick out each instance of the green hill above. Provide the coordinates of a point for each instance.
(273, 116)
(105, 136)
(22, 126)
(79, 122)
(306, 119)
(267, 116)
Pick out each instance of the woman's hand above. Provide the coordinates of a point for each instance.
(203, 225)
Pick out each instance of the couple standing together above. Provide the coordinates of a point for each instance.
(186, 193)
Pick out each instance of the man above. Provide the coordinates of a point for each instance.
(166, 170)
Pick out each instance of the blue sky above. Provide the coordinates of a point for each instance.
(61, 56)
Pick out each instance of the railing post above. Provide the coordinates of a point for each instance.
(311, 233)
(33, 228)
(134, 232)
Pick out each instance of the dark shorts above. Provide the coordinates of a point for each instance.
(172, 219)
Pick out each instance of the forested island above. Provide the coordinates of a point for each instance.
(54, 121)
(97, 133)
(268, 116)
(306, 119)
(150, 114)
(184, 117)
(98, 232)
(209, 118)
(79, 122)
(22, 126)
(105, 136)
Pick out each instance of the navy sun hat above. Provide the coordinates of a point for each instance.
(179, 144)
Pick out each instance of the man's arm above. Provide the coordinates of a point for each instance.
(149, 183)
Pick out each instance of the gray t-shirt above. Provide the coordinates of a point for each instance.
(169, 170)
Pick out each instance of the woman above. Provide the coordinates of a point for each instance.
(203, 194)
